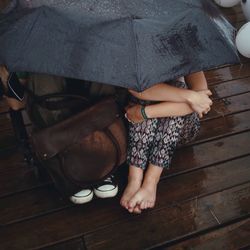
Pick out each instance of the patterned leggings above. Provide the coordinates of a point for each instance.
(155, 140)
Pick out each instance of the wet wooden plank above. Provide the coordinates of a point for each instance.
(219, 91)
(237, 104)
(222, 126)
(68, 218)
(16, 176)
(171, 223)
(99, 213)
(230, 88)
(212, 128)
(221, 107)
(235, 19)
(233, 10)
(196, 156)
(29, 204)
(5, 123)
(229, 105)
(3, 106)
(205, 154)
(46, 200)
(235, 236)
(8, 142)
(228, 73)
(76, 244)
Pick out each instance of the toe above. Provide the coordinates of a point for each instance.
(143, 205)
(151, 204)
(137, 210)
(122, 202)
(132, 203)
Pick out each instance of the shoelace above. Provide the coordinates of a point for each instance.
(109, 179)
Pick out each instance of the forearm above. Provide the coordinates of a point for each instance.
(4, 74)
(197, 81)
(164, 92)
(167, 109)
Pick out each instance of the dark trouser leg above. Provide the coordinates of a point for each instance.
(171, 132)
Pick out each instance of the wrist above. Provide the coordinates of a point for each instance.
(190, 97)
(143, 113)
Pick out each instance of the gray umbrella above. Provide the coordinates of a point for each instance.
(128, 43)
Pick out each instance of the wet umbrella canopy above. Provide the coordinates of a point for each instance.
(128, 43)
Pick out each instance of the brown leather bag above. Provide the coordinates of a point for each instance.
(84, 149)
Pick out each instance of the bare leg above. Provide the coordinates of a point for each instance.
(134, 183)
(197, 81)
(145, 197)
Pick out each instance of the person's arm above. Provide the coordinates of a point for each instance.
(197, 81)
(164, 92)
(199, 101)
(162, 109)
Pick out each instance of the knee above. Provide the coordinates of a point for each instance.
(138, 95)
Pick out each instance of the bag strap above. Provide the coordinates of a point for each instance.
(78, 126)
(115, 143)
(71, 101)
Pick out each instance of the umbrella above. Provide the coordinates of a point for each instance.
(129, 43)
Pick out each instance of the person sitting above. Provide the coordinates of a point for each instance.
(162, 118)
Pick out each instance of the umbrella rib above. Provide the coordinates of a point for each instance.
(136, 53)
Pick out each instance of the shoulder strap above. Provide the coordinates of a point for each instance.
(65, 100)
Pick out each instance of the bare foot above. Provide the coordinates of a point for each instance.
(134, 184)
(146, 195)
(143, 199)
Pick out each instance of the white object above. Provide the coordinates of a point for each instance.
(243, 40)
(227, 3)
(84, 196)
(106, 191)
(245, 4)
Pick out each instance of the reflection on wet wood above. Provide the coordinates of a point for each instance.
(229, 88)
(41, 201)
(76, 244)
(226, 125)
(22, 178)
(209, 153)
(168, 224)
(203, 200)
(229, 105)
(15, 175)
(86, 218)
(235, 236)
(5, 122)
(228, 73)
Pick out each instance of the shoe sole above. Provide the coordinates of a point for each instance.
(82, 200)
(106, 194)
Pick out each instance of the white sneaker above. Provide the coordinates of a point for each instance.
(84, 196)
(107, 189)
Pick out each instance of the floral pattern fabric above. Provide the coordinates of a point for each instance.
(155, 140)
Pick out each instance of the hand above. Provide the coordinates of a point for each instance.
(133, 113)
(4, 74)
(200, 101)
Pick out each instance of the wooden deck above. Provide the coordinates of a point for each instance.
(203, 201)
